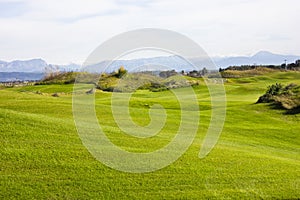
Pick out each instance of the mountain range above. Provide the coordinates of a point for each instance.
(173, 62)
(34, 66)
(260, 58)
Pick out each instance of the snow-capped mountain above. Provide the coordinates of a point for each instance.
(33, 65)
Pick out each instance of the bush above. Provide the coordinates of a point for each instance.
(157, 87)
(287, 97)
(121, 72)
(275, 89)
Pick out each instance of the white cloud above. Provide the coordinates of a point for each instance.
(64, 31)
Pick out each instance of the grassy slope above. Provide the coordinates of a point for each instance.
(43, 157)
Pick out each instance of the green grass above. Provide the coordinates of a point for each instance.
(256, 157)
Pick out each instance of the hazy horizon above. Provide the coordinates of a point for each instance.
(141, 56)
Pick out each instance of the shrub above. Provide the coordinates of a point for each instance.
(275, 89)
(287, 97)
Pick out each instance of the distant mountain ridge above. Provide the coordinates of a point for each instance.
(33, 65)
(260, 58)
(173, 62)
(178, 64)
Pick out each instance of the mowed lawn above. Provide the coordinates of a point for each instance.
(42, 156)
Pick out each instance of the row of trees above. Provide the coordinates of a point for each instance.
(194, 73)
(292, 66)
(199, 73)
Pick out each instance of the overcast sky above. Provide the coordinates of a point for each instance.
(67, 31)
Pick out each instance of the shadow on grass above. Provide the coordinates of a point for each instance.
(278, 106)
(293, 111)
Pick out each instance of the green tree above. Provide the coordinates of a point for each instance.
(121, 72)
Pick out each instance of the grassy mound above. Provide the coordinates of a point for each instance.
(144, 81)
(246, 73)
(121, 81)
(68, 78)
(287, 97)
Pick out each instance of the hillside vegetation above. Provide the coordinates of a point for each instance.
(121, 81)
(256, 70)
(259, 71)
(287, 97)
(67, 78)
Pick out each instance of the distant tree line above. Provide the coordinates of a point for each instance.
(193, 73)
(292, 66)
(197, 74)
